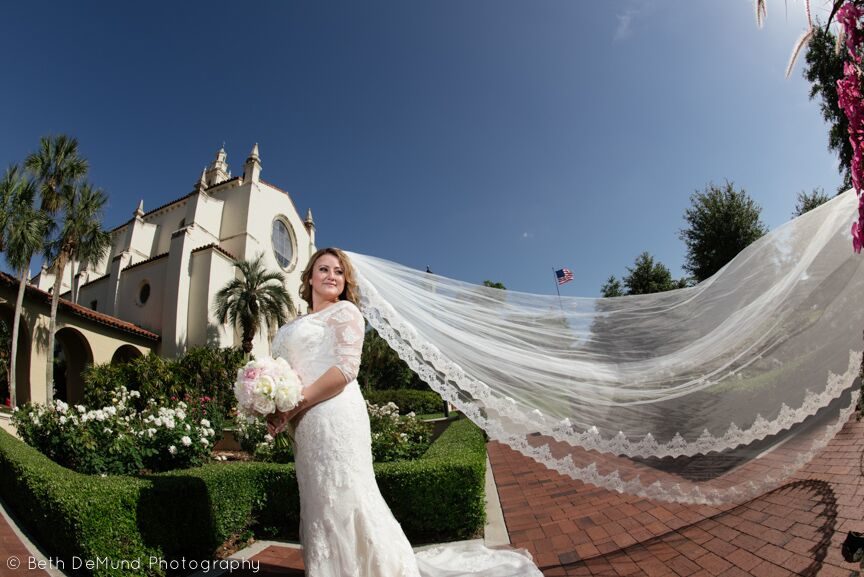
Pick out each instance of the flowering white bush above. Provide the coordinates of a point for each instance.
(396, 436)
(116, 439)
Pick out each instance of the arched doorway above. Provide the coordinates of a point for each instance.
(72, 355)
(22, 373)
(124, 354)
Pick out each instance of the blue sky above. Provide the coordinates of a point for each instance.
(488, 139)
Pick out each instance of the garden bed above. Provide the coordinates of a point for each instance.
(191, 513)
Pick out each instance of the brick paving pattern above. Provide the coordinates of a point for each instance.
(576, 529)
(573, 529)
(11, 548)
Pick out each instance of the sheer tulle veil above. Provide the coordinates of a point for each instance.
(709, 394)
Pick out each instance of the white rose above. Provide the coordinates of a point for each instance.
(186, 441)
(204, 441)
(264, 405)
(287, 398)
(264, 385)
(205, 423)
(172, 449)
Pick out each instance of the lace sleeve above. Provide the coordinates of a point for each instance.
(348, 328)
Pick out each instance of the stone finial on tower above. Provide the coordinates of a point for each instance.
(218, 170)
(310, 229)
(201, 185)
(252, 168)
(139, 212)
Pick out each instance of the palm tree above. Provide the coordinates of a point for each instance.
(56, 164)
(58, 168)
(94, 241)
(23, 235)
(81, 206)
(260, 294)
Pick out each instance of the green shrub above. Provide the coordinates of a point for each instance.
(116, 439)
(441, 496)
(396, 437)
(190, 513)
(203, 378)
(408, 400)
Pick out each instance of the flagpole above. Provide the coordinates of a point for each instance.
(557, 290)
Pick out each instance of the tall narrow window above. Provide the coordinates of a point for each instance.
(283, 248)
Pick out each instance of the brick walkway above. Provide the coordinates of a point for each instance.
(576, 529)
(12, 552)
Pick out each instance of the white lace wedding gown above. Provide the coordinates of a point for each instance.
(346, 528)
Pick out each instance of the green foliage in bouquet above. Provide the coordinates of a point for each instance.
(254, 439)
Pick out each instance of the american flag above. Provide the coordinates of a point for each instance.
(564, 275)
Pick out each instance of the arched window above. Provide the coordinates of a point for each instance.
(283, 244)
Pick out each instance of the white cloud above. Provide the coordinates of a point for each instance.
(527, 235)
(625, 24)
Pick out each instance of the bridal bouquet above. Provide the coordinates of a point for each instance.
(265, 386)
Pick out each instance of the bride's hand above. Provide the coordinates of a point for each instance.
(276, 422)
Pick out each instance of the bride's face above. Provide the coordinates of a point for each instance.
(327, 279)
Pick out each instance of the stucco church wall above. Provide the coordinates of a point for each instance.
(211, 270)
(168, 220)
(95, 291)
(149, 314)
(266, 205)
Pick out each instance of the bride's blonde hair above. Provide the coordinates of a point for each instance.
(349, 293)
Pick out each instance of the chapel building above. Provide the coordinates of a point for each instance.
(165, 266)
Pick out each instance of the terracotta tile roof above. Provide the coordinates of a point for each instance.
(151, 259)
(218, 248)
(80, 311)
(88, 283)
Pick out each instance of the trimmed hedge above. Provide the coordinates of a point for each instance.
(190, 513)
(408, 400)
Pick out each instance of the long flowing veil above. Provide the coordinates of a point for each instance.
(708, 394)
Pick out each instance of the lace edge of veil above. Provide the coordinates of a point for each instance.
(436, 370)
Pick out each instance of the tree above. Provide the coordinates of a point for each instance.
(56, 164)
(497, 285)
(259, 295)
(381, 368)
(648, 277)
(58, 168)
(721, 222)
(94, 241)
(612, 288)
(824, 68)
(23, 236)
(807, 202)
(80, 207)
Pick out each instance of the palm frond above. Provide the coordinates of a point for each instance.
(796, 50)
(761, 12)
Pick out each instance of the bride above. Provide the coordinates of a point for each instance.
(345, 525)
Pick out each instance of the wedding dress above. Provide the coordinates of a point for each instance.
(345, 525)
